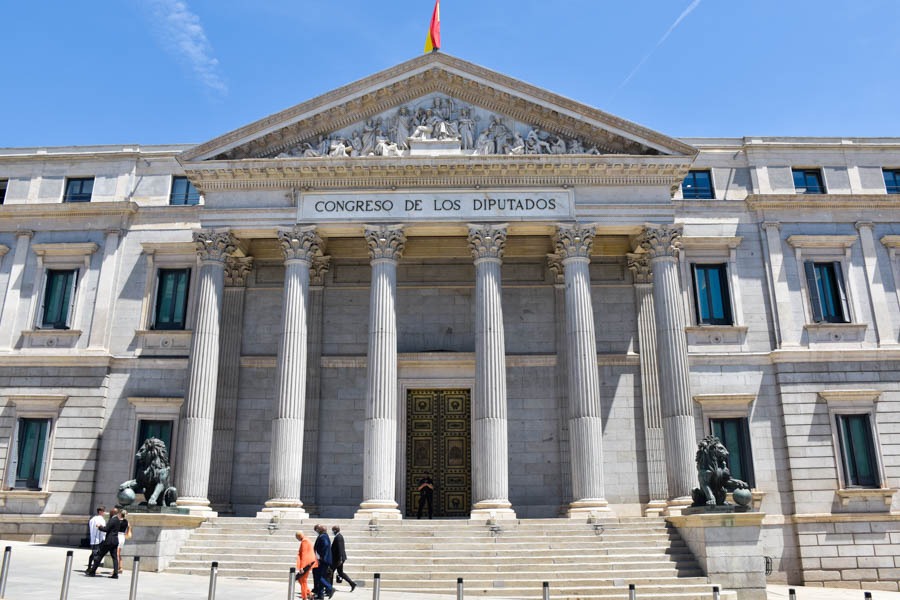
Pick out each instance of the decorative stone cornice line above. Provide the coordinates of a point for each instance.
(385, 242)
(812, 203)
(487, 241)
(214, 246)
(661, 240)
(639, 265)
(822, 241)
(300, 243)
(66, 210)
(237, 270)
(573, 242)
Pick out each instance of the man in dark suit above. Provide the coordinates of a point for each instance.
(426, 494)
(110, 544)
(322, 574)
(339, 556)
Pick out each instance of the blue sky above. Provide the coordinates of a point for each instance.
(185, 71)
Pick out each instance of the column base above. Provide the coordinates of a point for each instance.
(492, 509)
(676, 506)
(197, 507)
(283, 508)
(378, 509)
(590, 508)
(655, 508)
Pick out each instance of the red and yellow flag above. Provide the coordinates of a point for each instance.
(433, 41)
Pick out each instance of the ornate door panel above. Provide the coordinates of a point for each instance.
(438, 440)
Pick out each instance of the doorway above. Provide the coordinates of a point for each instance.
(438, 441)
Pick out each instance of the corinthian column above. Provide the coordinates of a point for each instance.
(653, 431)
(661, 243)
(490, 469)
(300, 246)
(195, 450)
(573, 244)
(386, 244)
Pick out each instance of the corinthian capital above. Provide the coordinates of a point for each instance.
(574, 242)
(236, 271)
(555, 264)
(385, 241)
(487, 241)
(214, 245)
(661, 240)
(318, 268)
(639, 264)
(300, 243)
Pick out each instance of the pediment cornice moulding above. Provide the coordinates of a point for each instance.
(822, 202)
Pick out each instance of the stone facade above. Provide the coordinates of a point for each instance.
(591, 302)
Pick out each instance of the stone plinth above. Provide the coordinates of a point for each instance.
(419, 147)
(726, 544)
(157, 538)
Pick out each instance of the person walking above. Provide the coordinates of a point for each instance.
(321, 573)
(426, 494)
(339, 556)
(123, 535)
(96, 536)
(109, 545)
(306, 562)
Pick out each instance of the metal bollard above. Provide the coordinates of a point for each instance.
(792, 594)
(546, 590)
(135, 571)
(459, 588)
(868, 595)
(715, 592)
(213, 573)
(292, 575)
(376, 587)
(64, 592)
(4, 572)
(632, 593)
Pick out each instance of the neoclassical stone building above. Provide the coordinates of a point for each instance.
(439, 268)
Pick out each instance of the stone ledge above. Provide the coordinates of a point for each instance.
(843, 517)
(826, 333)
(747, 519)
(849, 494)
(40, 496)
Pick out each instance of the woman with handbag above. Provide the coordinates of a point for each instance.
(124, 534)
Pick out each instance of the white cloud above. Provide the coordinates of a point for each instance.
(183, 36)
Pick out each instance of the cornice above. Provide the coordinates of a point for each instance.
(822, 201)
(73, 210)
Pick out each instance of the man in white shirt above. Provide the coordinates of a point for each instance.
(96, 535)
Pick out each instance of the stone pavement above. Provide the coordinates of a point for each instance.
(36, 574)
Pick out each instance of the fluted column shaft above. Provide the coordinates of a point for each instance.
(314, 416)
(380, 460)
(574, 244)
(490, 470)
(300, 246)
(677, 406)
(195, 450)
(653, 429)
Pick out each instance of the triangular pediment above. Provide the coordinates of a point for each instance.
(436, 105)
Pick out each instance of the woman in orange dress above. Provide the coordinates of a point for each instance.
(306, 561)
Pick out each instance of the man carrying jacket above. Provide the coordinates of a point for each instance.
(339, 556)
(322, 573)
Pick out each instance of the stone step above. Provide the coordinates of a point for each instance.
(450, 543)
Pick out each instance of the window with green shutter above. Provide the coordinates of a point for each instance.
(858, 451)
(32, 439)
(58, 293)
(827, 292)
(171, 298)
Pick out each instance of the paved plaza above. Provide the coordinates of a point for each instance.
(36, 574)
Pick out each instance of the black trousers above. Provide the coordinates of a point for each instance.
(95, 551)
(339, 569)
(104, 549)
(423, 498)
(322, 581)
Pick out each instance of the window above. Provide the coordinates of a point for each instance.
(32, 440)
(713, 305)
(183, 192)
(827, 293)
(735, 436)
(171, 298)
(3, 184)
(58, 293)
(697, 185)
(892, 181)
(808, 181)
(857, 451)
(148, 428)
(79, 189)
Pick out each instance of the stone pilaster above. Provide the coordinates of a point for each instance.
(880, 311)
(554, 263)
(573, 244)
(195, 450)
(661, 243)
(236, 272)
(386, 245)
(105, 301)
(490, 470)
(300, 246)
(639, 264)
(11, 318)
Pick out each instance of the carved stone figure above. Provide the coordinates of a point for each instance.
(500, 133)
(401, 128)
(368, 137)
(339, 149)
(575, 147)
(356, 144)
(517, 146)
(485, 143)
(558, 147)
(324, 145)
(712, 471)
(425, 129)
(466, 128)
(534, 144)
(385, 147)
(152, 476)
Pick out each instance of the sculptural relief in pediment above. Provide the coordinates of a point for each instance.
(438, 125)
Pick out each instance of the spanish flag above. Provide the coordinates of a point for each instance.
(433, 41)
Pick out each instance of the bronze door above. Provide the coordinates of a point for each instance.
(438, 440)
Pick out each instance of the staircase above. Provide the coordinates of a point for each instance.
(581, 561)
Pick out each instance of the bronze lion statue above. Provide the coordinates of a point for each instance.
(712, 471)
(152, 476)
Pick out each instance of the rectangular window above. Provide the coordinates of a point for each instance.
(79, 189)
(827, 293)
(808, 181)
(58, 294)
(892, 180)
(697, 185)
(33, 437)
(171, 298)
(713, 303)
(150, 428)
(857, 451)
(735, 436)
(183, 192)
(3, 184)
